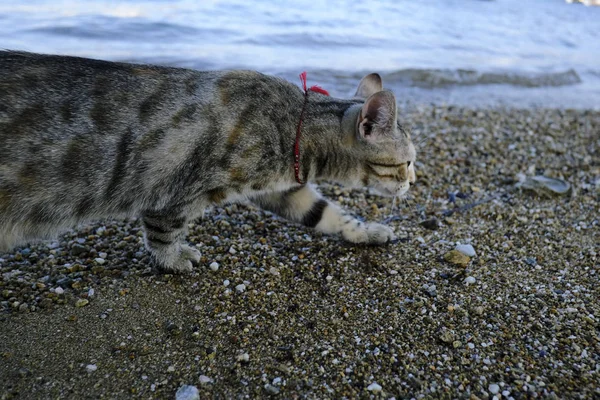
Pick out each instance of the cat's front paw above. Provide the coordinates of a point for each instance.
(369, 233)
(184, 261)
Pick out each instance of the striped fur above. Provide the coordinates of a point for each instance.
(85, 139)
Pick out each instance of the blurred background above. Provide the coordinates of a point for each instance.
(467, 52)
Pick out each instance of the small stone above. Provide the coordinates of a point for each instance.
(102, 254)
(59, 290)
(171, 368)
(544, 186)
(531, 261)
(187, 392)
(493, 388)
(329, 278)
(447, 336)
(91, 367)
(243, 357)
(271, 389)
(232, 250)
(204, 379)
(274, 271)
(431, 224)
(240, 288)
(78, 249)
(374, 387)
(81, 302)
(466, 249)
(457, 258)
(100, 260)
(226, 282)
(214, 266)
(470, 280)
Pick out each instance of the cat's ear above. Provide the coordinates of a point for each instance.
(369, 85)
(377, 117)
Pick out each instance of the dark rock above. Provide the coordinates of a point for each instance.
(78, 249)
(431, 224)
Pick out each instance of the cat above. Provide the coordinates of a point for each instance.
(84, 139)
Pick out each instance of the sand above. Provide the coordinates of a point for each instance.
(279, 310)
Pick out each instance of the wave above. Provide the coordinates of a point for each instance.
(115, 29)
(431, 78)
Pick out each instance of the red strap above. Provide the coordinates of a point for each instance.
(316, 89)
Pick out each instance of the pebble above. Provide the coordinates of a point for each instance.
(457, 258)
(226, 282)
(58, 290)
(244, 357)
(204, 379)
(493, 388)
(466, 249)
(374, 387)
(78, 249)
(214, 266)
(545, 186)
(240, 288)
(91, 367)
(187, 392)
(99, 260)
(81, 302)
(431, 224)
(271, 389)
(470, 280)
(447, 336)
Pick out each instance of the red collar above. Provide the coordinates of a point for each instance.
(314, 88)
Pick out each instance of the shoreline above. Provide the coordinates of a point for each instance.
(318, 318)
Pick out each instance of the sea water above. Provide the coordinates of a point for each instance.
(466, 52)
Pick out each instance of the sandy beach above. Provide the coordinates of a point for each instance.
(279, 310)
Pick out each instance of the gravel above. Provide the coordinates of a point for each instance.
(330, 319)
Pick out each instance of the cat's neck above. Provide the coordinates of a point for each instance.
(326, 139)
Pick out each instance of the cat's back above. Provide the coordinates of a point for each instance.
(59, 89)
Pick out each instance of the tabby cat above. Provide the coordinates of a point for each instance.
(84, 139)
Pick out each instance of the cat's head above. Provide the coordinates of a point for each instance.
(383, 146)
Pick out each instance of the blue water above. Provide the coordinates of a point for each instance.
(471, 52)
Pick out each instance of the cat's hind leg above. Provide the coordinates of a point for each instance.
(164, 234)
(305, 205)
